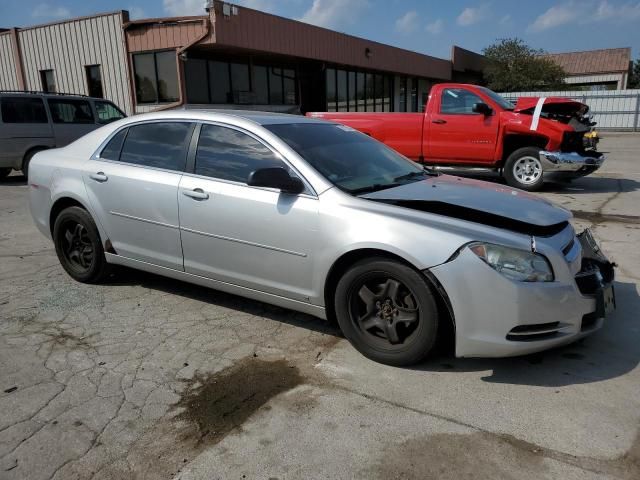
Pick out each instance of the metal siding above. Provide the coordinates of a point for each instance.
(8, 71)
(254, 30)
(162, 37)
(67, 47)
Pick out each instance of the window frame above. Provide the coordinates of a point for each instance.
(193, 149)
(97, 154)
(154, 54)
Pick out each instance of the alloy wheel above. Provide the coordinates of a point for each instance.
(77, 246)
(384, 310)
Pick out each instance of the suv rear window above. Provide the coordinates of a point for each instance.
(70, 111)
(23, 110)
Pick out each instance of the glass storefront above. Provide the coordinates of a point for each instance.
(355, 91)
(219, 82)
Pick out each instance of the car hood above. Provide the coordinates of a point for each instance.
(480, 202)
(565, 106)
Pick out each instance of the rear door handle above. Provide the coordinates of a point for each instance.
(196, 194)
(99, 177)
(439, 121)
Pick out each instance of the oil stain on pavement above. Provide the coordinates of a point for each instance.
(217, 404)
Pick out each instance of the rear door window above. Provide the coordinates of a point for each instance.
(23, 110)
(113, 148)
(158, 145)
(70, 111)
(108, 112)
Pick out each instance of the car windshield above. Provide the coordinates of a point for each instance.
(499, 99)
(349, 159)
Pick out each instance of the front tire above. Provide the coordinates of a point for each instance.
(4, 173)
(78, 246)
(523, 169)
(387, 311)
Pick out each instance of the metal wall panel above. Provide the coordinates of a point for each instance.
(8, 72)
(67, 47)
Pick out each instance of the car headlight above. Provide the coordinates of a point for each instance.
(515, 264)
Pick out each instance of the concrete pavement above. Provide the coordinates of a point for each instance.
(145, 377)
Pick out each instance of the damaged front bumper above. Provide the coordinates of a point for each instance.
(498, 317)
(571, 162)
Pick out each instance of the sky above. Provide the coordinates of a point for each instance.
(426, 26)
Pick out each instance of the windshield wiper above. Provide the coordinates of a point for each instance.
(409, 176)
(373, 188)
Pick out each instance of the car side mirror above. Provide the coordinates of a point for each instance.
(482, 108)
(276, 177)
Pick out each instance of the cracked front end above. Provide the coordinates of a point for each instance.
(497, 316)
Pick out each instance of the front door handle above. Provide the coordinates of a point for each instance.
(99, 177)
(439, 121)
(196, 194)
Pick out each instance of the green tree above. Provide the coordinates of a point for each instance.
(513, 66)
(634, 77)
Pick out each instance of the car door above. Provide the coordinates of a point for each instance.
(71, 119)
(133, 188)
(457, 134)
(258, 238)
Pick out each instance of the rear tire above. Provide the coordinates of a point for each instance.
(78, 246)
(387, 311)
(27, 161)
(4, 173)
(523, 169)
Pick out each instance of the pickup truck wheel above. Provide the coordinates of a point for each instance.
(387, 311)
(78, 246)
(523, 169)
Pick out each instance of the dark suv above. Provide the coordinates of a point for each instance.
(34, 121)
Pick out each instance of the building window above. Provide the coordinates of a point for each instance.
(219, 82)
(349, 91)
(351, 86)
(212, 81)
(260, 80)
(342, 91)
(48, 81)
(403, 95)
(94, 81)
(156, 77)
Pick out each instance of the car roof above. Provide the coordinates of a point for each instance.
(256, 117)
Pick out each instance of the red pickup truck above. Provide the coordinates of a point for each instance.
(471, 126)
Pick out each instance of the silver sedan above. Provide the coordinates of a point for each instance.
(319, 218)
